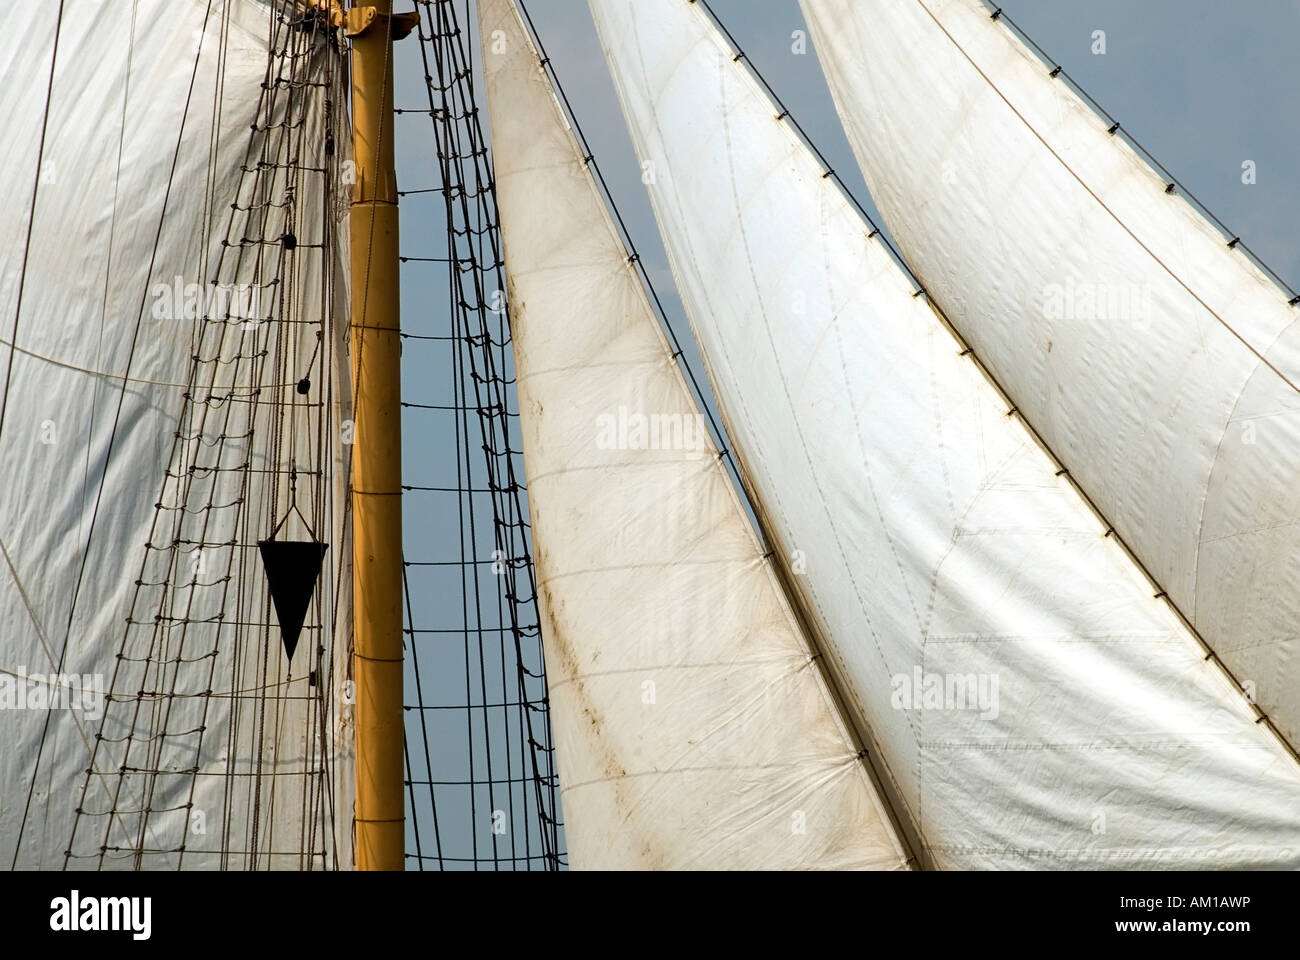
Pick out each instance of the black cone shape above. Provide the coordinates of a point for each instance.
(292, 567)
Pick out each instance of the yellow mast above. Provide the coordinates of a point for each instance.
(377, 448)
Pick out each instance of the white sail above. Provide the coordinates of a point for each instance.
(151, 417)
(693, 727)
(1159, 363)
(1034, 704)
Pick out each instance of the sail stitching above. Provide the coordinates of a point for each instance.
(830, 685)
(1210, 654)
(801, 142)
(1012, 407)
(634, 258)
(1111, 533)
(799, 663)
(1114, 126)
(1261, 357)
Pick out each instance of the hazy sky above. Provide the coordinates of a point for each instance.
(1202, 84)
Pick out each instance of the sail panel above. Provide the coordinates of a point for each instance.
(1032, 700)
(693, 728)
(1160, 364)
(151, 425)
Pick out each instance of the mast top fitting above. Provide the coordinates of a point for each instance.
(356, 21)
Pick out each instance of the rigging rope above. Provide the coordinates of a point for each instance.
(508, 737)
(279, 145)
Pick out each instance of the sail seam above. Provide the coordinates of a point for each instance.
(772, 573)
(1111, 530)
(798, 662)
(634, 257)
(1062, 471)
(829, 687)
(908, 821)
(1114, 534)
(1114, 127)
(1013, 410)
(848, 758)
(906, 828)
(1261, 357)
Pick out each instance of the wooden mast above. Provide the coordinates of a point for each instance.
(377, 448)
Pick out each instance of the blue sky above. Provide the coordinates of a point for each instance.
(1201, 84)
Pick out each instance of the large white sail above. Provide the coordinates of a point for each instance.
(175, 273)
(1159, 363)
(693, 727)
(1034, 704)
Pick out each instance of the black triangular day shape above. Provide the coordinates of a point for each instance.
(292, 568)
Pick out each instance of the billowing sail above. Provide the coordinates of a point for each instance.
(169, 398)
(1158, 362)
(693, 727)
(1034, 704)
